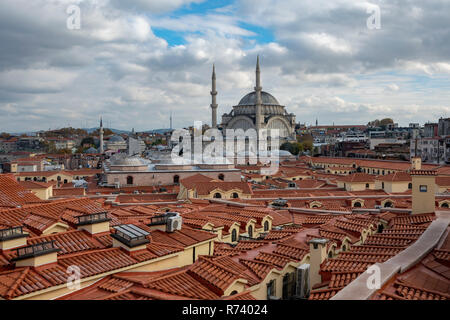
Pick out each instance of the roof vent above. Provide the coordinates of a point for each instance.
(129, 236)
(94, 223)
(279, 202)
(12, 238)
(36, 254)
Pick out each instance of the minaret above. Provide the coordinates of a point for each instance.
(213, 99)
(258, 90)
(101, 136)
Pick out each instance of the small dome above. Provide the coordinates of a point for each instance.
(250, 99)
(126, 161)
(91, 150)
(116, 138)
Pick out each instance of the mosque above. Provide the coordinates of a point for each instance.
(258, 110)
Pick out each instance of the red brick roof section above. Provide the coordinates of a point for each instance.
(13, 194)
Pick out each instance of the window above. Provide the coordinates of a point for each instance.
(176, 179)
(410, 185)
(330, 254)
(288, 285)
(266, 224)
(129, 180)
(444, 205)
(270, 289)
(388, 204)
(193, 255)
(221, 177)
(235, 195)
(344, 248)
(382, 185)
(357, 204)
(423, 188)
(233, 293)
(250, 231)
(217, 195)
(367, 186)
(234, 235)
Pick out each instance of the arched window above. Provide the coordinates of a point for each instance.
(65, 180)
(388, 204)
(250, 231)
(217, 195)
(233, 292)
(330, 254)
(344, 248)
(221, 177)
(367, 186)
(176, 179)
(444, 205)
(382, 185)
(129, 180)
(35, 179)
(235, 195)
(266, 225)
(234, 235)
(58, 178)
(410, 185)
(380, 228)
(357, 204)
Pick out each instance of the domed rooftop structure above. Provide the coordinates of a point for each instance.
(123, 160)
(116, 138)
(250, 99)
(91, 150)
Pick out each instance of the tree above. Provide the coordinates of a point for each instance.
(293, 147)
(87, 141)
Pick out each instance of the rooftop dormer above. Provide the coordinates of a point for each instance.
(94, 223)
(130, 237)
(12, 238)
(37, 254)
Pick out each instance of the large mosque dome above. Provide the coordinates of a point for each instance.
(250, 99)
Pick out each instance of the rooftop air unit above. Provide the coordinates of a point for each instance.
(174, 221)
(303, 287)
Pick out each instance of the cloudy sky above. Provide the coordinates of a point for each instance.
(135, 62)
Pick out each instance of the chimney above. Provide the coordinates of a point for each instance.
(94, 223)
(423, 191)
(12, 238)
(416, 163)
(36, 255)
(130, 237)
(318, 253)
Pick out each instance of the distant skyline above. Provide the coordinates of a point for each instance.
(136, 62)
